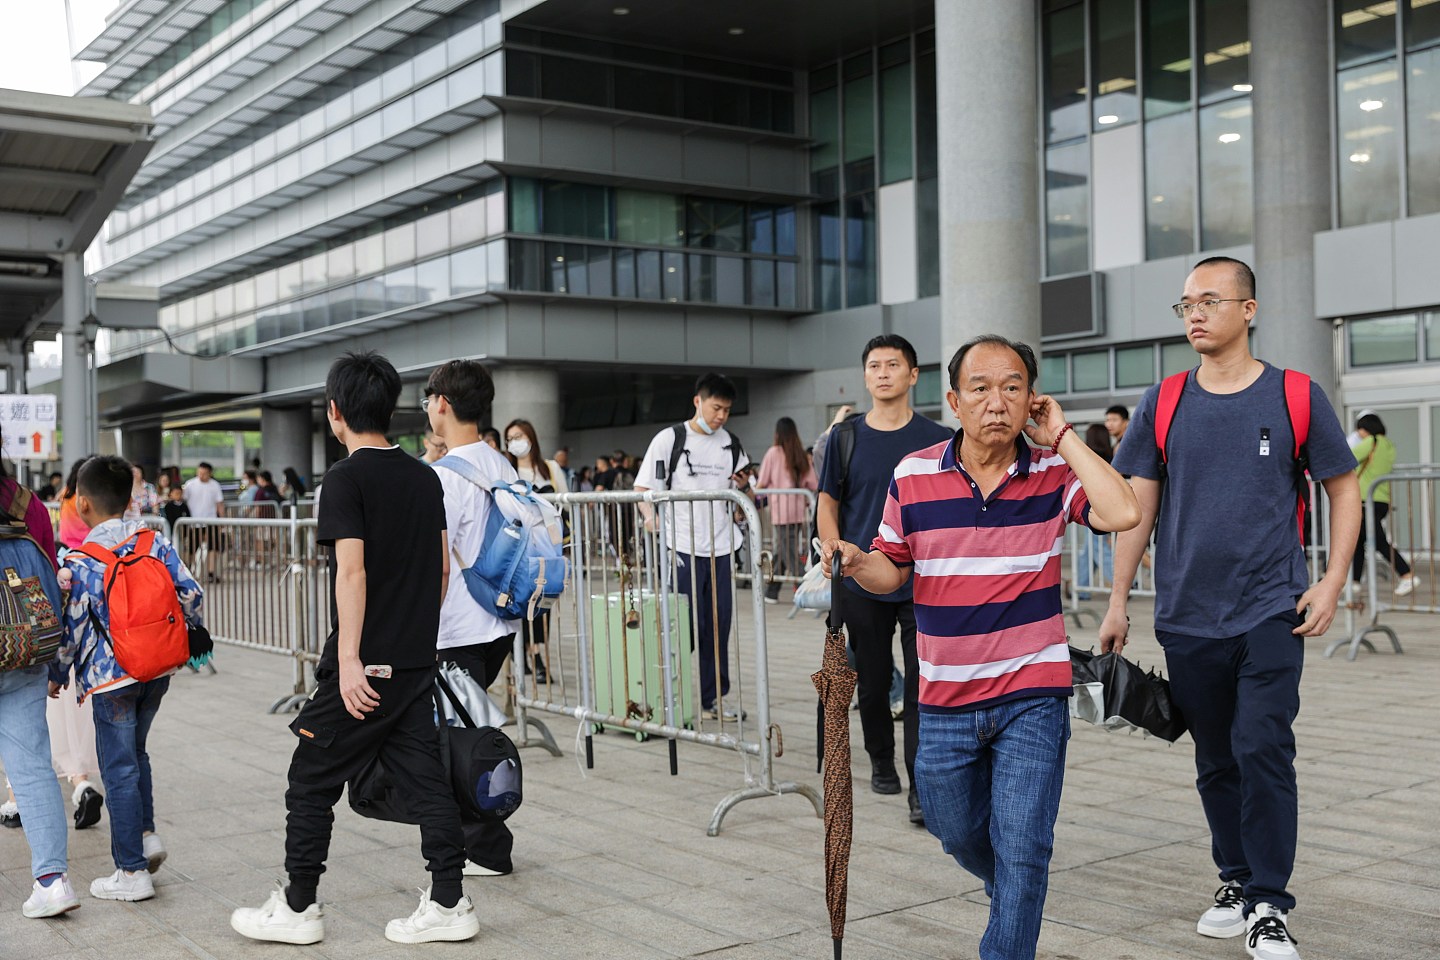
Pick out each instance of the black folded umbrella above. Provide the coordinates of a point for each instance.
(1131, 697)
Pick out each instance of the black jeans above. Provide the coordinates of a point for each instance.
(334, 746)
(1240, 696)
(1382, 544)
(487, 842)
(871, 627)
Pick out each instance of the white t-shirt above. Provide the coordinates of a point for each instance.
(700, 530)
(203, 497)
(467, 508)
(537, 479)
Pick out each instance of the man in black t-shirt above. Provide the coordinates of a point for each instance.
(383, 517)
(850, 509)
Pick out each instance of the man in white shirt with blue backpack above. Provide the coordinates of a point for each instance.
(457, 397)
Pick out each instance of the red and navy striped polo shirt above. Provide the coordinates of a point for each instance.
(987, 574)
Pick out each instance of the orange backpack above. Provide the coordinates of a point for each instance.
(147, 627)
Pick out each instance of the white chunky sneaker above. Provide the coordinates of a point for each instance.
(1266, 935)
(51, 901)
(154, 851)
(276, 922)
(431, 922)
(1227, 917)
(123, 885)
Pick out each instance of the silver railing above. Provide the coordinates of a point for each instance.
(640, 638)
(785, 553)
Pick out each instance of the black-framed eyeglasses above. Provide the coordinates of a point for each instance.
(1205, 308)
(425, 401)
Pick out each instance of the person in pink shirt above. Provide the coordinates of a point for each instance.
(787, 466)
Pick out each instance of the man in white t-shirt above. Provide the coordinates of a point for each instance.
(206, 502)
(703, 535)
(456, 397)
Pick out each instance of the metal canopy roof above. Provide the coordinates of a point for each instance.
(64, 163)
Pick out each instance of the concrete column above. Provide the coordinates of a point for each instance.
(177, 449)
(1293, 164)
(141, 445)
(240, 465)
(285, 440)
(986, 124)
(528, 393)
(78, 436)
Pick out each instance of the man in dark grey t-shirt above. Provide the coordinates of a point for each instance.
(1233, 600)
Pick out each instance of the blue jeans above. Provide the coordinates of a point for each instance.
(989, 782)
(25, 751)
(1240, 696)
(710, 611)
(122, 723)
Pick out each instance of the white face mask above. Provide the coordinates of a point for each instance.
(702, 425)
(519, 447)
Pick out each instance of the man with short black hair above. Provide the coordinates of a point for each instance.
(703, 535)
(206, 500)
(853, 486)
(1233, 598)
(383, 517)
(1117, 421)
(456, 396)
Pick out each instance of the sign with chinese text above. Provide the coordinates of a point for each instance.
(27, 423)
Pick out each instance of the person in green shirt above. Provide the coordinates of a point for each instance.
(1375, 457)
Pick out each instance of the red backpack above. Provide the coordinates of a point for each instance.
(1297, 406)
(147, 627)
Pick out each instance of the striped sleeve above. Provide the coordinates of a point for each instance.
(890, 540)
(1077, 503)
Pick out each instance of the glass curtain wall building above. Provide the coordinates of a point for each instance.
(603, 204)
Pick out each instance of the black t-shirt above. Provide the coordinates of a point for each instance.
(396, 505)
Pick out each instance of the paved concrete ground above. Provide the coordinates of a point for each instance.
(615, 863)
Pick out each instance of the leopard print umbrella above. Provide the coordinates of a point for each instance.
(835, 682)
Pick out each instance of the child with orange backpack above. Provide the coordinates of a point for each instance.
(128, 625)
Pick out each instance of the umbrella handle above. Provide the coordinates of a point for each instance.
(833, 620)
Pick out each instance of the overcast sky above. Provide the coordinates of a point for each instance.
(35, 45)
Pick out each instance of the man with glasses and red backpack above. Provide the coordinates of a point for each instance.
(1218, 457)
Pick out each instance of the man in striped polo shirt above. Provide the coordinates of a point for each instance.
(980, 519)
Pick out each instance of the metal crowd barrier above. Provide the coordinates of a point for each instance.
(1411, 541)
(785, 554)
(1089, 565)
(622, 648)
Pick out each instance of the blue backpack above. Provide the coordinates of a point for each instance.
(521, 569)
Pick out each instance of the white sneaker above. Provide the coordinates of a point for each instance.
(154, 851)
(1227, 917)
(1267, 937)
(275, 921)
(51, 901)
(1407, 586)
(473, 869)
(123, 885)
(431, 922)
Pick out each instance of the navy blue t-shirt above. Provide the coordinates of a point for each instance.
(877, 454)
(1227, 551)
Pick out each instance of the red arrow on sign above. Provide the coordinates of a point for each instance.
(35, 439)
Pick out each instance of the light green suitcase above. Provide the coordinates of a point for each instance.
(625, 661)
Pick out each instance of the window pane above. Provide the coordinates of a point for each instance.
(1134, 367)
(645, 217)
(926, 163)
(762, 283)
(432, 280)
(1226, 210)
(1367, 30)
(1067, 209)
(929, 388)
(859, 138)
(1092, 370)
(1113, 62)
(647, 274)
(400, 288)
(761, 237)
(1225, 42)
(786, 285)
(715, 224)
(730, 280)
(597, 271)
(556, 279)
(672, 276)
(1369, 112)
(1169, 186)
(927, 240)
(524, 205)
(785, 231)
(1423, 146)
(1175, 357)
(860, 250)
(1422, 23)
(1432, 342)
(1382, 340)
(1052, 374)
(1065, 74)
(825, 129)
(1167, 56)
(895, 135)
(827, 256)
(574, 81)
(467, 271)
(576, 210)
(625, 273)
(647, 91)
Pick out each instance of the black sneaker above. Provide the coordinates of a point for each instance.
(87, 808)
(883, 778)
(917, 816)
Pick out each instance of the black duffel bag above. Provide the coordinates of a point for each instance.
(481, 763)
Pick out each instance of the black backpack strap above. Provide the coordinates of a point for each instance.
(842, 444)
(444, 687)
(737, 450)
(677, 447)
